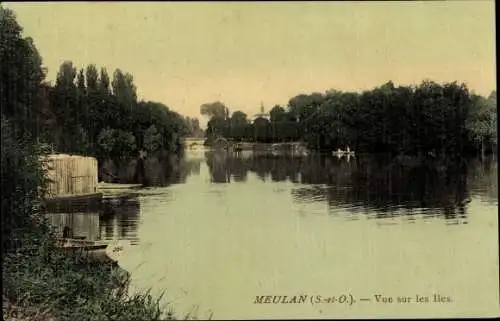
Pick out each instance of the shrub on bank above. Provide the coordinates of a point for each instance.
(22, 182)
(73, 287)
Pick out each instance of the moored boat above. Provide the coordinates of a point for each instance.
(93, 249)
(114, 190)
(68, 242)
(112, 186)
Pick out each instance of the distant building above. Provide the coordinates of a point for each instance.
(262, 114)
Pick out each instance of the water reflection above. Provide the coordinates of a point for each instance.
(483, 179)
(85, 224)
(153, 171)
(120, 219)
(385, 188)
(117, 219)
(239, 224)
(361, 188)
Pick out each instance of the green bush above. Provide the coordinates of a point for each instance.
(23, 181)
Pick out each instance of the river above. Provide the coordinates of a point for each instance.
(231, 228)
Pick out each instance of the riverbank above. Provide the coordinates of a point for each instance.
(254, 146)
(43, 283)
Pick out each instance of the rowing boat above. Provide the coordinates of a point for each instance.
(93, 249)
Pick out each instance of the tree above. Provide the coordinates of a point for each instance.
(92, 78)
(492, 103)
(80, 83)
(215, 109)
(104, 82)
(217, 127)
(261, 130)
(23, 99)
(238, 125)
(189, 125)
(239, 118)
(117, 144)
(481, 124)
(277, 113)
(124, 88)
(21, 74)
(65, 104)
(195, 125)
(152, 140)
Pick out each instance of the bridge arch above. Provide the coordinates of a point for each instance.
(220, 142)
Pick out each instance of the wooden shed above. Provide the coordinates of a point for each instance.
(71, 175)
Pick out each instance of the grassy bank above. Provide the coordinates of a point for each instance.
(43, 283)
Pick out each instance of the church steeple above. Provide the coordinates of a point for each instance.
(262, 114)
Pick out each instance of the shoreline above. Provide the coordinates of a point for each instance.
(50, 284)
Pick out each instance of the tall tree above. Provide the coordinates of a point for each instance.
(277, 113)
(238, 124)
(23, 102)
(238, 118)
(92, 77)
(80, 83)
(124, 88)
(104, 82)
(65, 104)
(214, 109)
(21, 74)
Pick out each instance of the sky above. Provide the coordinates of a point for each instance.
(248, 53)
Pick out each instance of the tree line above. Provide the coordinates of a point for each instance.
(430, 118)
(86, 111)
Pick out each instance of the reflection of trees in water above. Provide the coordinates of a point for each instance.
(484, 179)
(237, 168)
(388, 188)
(174, 171)
(311, 193)
(224, 166)
(373, 183)
(153, 171)
(120, 219)
(217, 162)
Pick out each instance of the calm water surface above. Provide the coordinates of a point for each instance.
(230, 228)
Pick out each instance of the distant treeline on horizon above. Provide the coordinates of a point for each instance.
(430, 118)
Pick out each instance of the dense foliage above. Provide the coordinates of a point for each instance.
(80, 114)
(94, 116)
(21, 76)
(431, 118)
